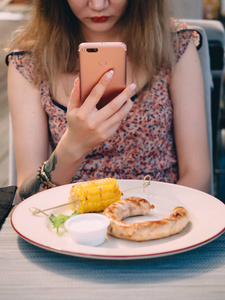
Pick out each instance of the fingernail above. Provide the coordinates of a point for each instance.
(109, 75)
(75, 81)
(133, 86)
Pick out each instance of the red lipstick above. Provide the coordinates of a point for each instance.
(101, 19)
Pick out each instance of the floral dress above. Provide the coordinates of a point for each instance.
(143, 144)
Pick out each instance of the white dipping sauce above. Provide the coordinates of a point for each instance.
(88, 229)
(86, 225)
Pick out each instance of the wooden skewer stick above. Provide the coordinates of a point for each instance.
(146, 183)
(36, 211)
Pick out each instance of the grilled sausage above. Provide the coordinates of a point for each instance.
(142, 231)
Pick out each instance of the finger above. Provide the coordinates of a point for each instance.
(117, 103)
(120, 114)
(74, 101)
(98, 91)
(111, 125)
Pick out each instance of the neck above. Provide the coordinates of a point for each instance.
(109, 36)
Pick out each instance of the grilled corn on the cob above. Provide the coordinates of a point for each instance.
(94, 196)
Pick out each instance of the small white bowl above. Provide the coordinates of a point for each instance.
(88, 229)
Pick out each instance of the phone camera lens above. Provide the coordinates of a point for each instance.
(92, 49)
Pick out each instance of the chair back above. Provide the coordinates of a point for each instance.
(213, 39)
(12, 161)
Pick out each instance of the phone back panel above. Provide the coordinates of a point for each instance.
(93, 64)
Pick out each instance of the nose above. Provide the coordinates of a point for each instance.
(98, 4)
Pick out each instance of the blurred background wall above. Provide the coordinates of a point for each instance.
(189, 9)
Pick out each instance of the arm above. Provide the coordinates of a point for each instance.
(190, 126)
(87, 128)
(30, 129)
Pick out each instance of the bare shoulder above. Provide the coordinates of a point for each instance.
(187, 73)
(20, 90)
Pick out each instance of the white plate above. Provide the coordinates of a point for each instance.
(207, 221)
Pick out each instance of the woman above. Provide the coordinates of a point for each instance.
(156, 126)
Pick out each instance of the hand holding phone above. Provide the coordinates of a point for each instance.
(96, 59)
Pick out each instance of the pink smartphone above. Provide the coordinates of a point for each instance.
(96, 59)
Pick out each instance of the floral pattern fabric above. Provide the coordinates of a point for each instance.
(144, 143)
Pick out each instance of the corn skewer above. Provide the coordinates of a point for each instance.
(36, 211)
(93, 196)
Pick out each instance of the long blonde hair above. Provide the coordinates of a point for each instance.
(53, 34)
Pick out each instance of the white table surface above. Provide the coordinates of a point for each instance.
(29, 272)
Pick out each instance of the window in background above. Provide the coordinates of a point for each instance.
(211, 9)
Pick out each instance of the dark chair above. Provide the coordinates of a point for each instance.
(216, 38)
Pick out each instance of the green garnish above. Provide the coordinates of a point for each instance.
(59, 220)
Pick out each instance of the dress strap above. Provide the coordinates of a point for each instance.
(15, 53)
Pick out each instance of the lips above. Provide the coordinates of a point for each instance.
(101, 19)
